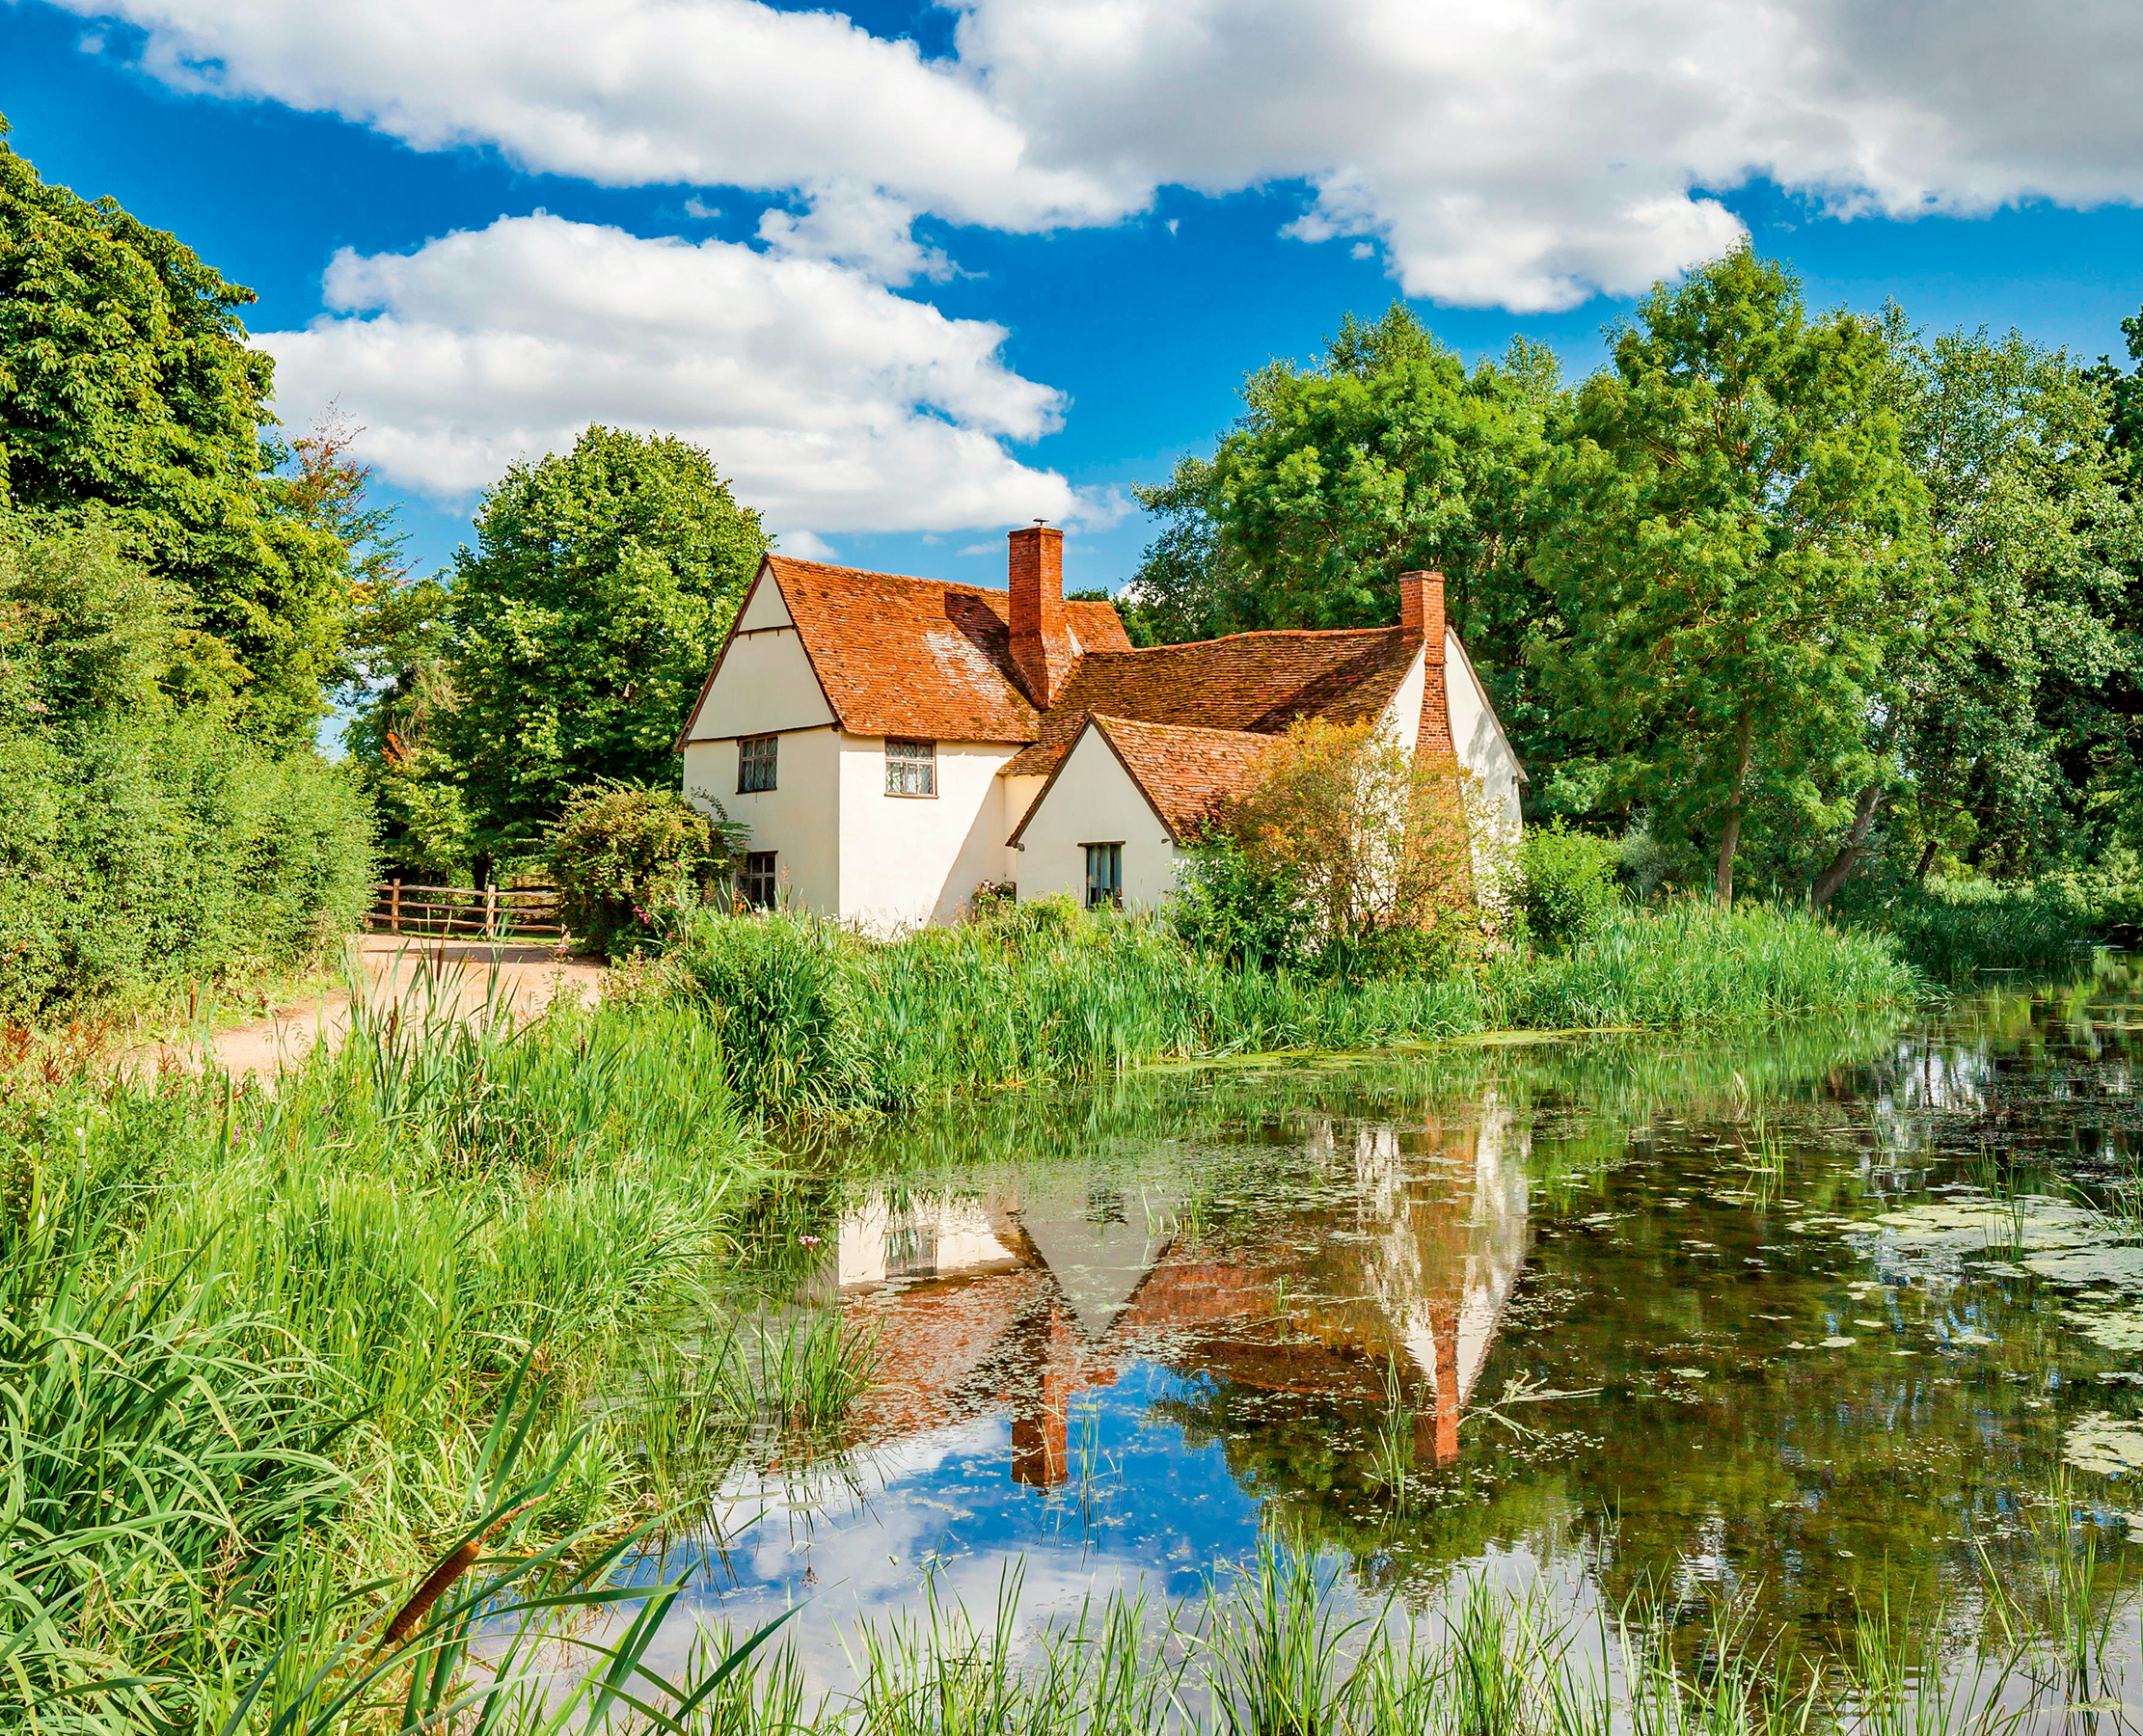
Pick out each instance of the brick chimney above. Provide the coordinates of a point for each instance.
(1040, 638)
(1421, 611)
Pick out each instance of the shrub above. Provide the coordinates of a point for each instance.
(1567, 882)
(143, 840)
(1230, 906)
(629, 861)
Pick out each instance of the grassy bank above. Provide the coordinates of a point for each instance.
(253, 1350)
(817, 1022)
(1953, 929)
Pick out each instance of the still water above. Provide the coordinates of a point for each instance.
(1800, 1317)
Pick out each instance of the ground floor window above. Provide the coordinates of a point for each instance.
(758, 879)
(1104, 874)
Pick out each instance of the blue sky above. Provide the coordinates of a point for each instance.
(1024, 264)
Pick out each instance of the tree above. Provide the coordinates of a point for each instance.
(125, 381)
(1385, 457)
(1734, 546)
(1379, 842)
(577, 631)
(2016, 721)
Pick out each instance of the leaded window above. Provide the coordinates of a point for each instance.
(911, 768)
(755, 763)
(758, 880)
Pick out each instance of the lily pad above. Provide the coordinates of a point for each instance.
(2101, 1441)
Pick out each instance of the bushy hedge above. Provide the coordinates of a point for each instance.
(1567, 882)
(142, 841)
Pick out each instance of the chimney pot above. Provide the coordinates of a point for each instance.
(1040, 634)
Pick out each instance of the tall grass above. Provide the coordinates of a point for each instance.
(1270, 1652)
(818, 1023)
(254, 1347)
(1952, 929)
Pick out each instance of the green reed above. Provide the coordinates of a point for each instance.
(818, 1023)
(1270, 1651)
(253, 1345)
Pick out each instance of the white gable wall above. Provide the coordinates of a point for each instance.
(1402, 713)
(1095, 802)
(766, 682)
(910, 859)
(798, 818)
(1482, 747)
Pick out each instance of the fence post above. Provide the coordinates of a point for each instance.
(490, 911)
(394, 908)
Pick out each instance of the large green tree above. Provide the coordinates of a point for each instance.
(1734, 545)
(1385, 456)
(126, 383)
(2015, 722)
(576, 632)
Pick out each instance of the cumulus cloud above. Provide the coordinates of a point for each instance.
(830, 403)
(1525, 153)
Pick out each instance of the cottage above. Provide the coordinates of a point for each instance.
(894, 742)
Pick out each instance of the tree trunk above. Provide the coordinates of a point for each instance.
(1729, 835)
(1927, 861)
(1848, 858)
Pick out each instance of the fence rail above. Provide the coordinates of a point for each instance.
(490, 912)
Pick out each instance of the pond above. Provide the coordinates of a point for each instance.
(1803, 1320)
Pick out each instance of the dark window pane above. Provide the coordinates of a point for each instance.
(911, 768)
(755, 763)
(758, 883)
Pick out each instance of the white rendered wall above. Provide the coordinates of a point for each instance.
(1479, 741)
(1095, 802)
(766, 682)
(1019, 794)
(1402, 714)
(798, 818)
(910, 859)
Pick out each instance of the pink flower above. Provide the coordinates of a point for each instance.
(809, 1241)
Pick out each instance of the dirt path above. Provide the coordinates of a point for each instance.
(447, 976)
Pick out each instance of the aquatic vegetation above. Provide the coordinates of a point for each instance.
(818, 1023)
(1952, 929)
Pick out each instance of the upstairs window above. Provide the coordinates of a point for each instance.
(911, 768)
(1104, 874)
(758, 882)
(755, 763)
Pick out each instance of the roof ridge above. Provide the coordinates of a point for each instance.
(1267, 632)
(1107, 717)
(828, 566)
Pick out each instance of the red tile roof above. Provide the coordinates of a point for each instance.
(919, 657)
(924, 658)
(1254, 681)
(1184, 771)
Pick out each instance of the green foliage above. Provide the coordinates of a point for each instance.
(1386, 457)
(1734, 546)
(1954, 928)
(1239, 908)
(142, 839)
(630, 861)
(575, 634)
(1567, 883)
(2017, 719)
(126, 382)
(817, 1023)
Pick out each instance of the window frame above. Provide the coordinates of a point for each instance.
(747, 760)
(1114, 889)
(926, 760)
(758, 883)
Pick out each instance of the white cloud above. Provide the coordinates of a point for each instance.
(1517, 151)
(828, 402)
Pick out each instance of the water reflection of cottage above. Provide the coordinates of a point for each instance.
(1383, 1258)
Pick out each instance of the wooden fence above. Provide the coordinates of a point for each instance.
(487, 913)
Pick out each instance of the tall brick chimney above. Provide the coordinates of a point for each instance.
(1040, 638)
(1421, 611)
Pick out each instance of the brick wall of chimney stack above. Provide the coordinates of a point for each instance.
(1040, 637)
(1420, 609)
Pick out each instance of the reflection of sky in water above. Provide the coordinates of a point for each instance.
(1156, 1516)
(1113, 1351)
